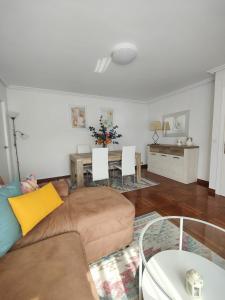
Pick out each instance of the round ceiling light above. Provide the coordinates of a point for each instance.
(124, 53)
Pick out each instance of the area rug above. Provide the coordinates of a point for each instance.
(116, 276)
(128, 183)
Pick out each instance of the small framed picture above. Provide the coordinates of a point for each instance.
(107, 117)
(78, 116)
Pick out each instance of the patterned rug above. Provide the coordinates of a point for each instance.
(116, 276)
(128, 183)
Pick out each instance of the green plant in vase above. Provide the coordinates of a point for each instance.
(105, 136)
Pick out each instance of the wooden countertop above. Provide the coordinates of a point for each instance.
(173, 146)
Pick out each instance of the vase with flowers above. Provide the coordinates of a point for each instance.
(105, 136)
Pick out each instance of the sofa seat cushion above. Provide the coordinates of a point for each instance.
(101, 211)
(55, 268)
(92, 212)
(58, 222)
(108, 244)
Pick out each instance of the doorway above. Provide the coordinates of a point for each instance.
(5, 162)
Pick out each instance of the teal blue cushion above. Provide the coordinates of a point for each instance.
(10, 230)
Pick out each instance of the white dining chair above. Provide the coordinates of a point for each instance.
(100, 169)
(83, 148)
(127, 166)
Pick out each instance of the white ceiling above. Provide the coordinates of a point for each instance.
(55, 44)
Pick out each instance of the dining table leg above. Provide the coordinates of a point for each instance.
(72, 171)
(80, 173)
(138, 163)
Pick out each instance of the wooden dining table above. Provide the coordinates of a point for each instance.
(77, 162)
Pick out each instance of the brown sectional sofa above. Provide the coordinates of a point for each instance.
(51, 262)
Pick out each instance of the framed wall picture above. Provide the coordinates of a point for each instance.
(107, 117)
(78, 117)
(177, 124)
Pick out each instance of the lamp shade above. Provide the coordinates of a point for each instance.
(13, 114)
(155, 125)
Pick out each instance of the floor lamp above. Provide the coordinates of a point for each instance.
(13, 116)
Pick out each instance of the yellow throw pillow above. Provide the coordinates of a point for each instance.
(31, 208)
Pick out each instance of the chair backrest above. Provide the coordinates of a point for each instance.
(100, 168)
(83, 149)
(128, 160)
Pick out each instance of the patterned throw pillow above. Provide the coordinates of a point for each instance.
(29, 185)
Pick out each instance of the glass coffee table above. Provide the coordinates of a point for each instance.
(162, 274)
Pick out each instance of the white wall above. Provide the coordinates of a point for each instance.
(45, 117)
(199, 100)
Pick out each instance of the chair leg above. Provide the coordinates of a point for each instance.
(134, 178)
(122, 180)
(108, 183)
(89, 177)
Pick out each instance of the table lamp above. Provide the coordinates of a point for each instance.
(154, 126)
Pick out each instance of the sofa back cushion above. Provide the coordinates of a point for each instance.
(32, 207)
(61, 186)
(10, 230)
